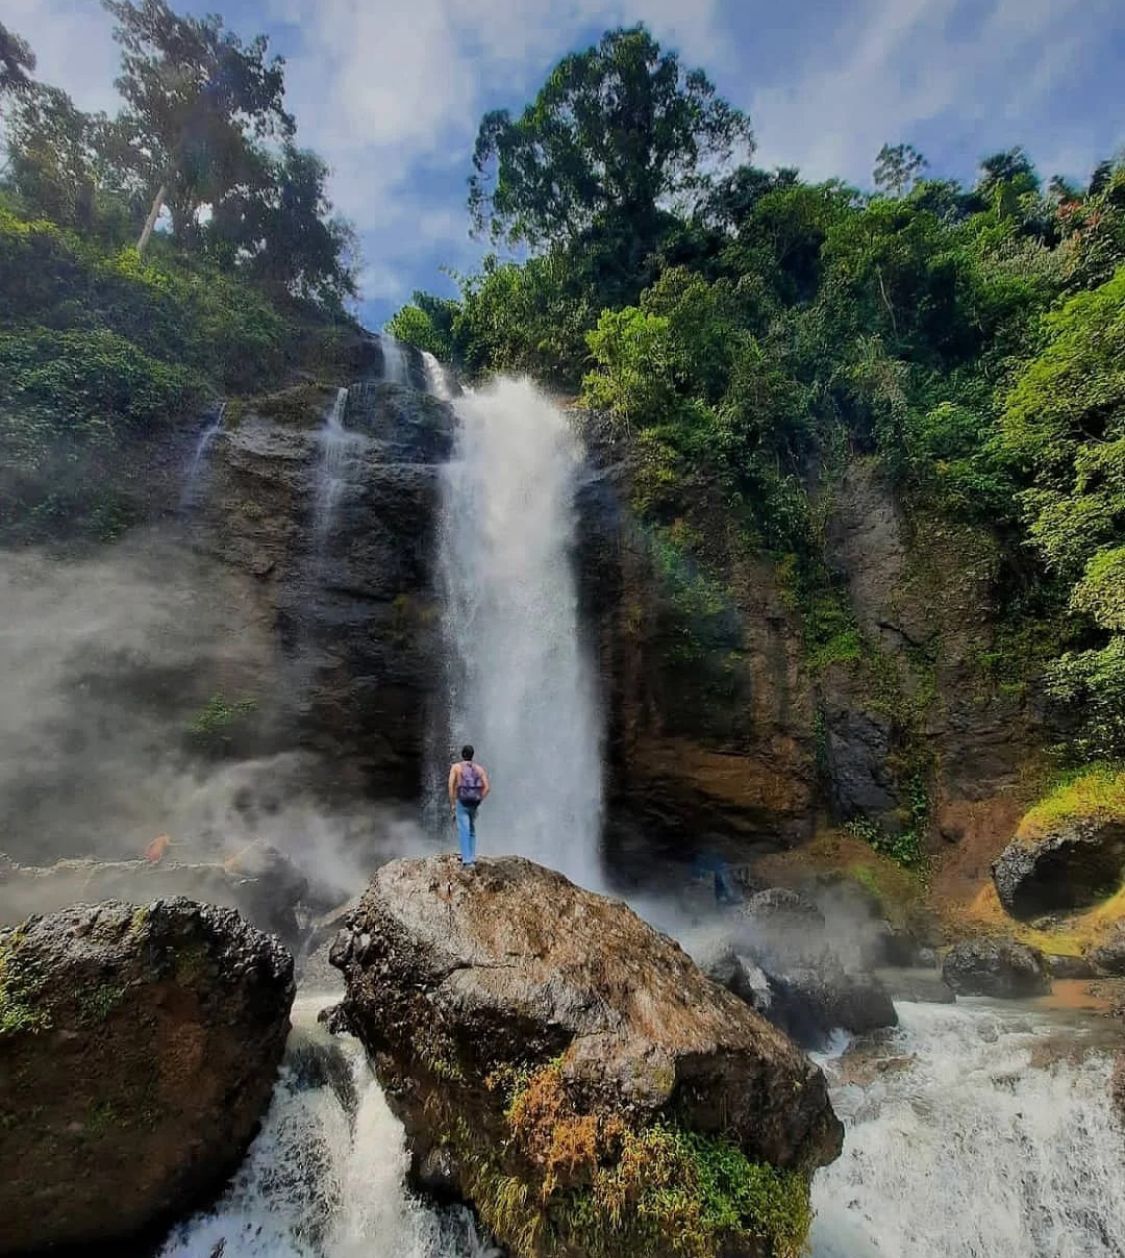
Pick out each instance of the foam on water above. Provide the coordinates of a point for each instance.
(966, 1149)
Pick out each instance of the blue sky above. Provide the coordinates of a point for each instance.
(391, 93)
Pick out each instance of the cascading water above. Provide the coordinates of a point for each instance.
(520, 685)
(436, 380)
(325, 1176)
(190, 490)
(981, 1137)
(336, 448)
(396, 366)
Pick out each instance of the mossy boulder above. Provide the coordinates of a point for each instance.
(572, 1074)
(138, 1050)
(1069, 849)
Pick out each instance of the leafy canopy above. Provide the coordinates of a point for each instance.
(615, 132)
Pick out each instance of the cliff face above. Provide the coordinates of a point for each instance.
(348, 597)
(728, 733)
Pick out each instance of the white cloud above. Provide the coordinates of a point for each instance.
(900, 64)
(73, 44)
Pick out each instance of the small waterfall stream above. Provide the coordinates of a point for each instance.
(336, 448)
(324, 1178)
(189, 491)
(396, 365)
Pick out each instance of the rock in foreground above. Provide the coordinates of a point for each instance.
(1000, 968)
(138, 1049)
(572, 1074)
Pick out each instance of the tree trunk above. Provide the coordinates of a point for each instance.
(153, 215)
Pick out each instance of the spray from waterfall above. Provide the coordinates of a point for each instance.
(197, 464)
(337, 446)
(520, 684)
(396, 366)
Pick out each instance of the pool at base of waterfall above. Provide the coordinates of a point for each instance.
(974, 1130)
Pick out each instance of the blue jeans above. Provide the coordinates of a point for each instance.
(467, 832)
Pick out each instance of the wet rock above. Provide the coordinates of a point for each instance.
(812, 1001)
(1070, 967)
(542, 1035)
(1109, 958)
(138, 1050)
(742, 976)
(926, 986)
(1072, 867)
(996, 967)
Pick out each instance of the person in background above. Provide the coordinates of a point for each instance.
(468, 789)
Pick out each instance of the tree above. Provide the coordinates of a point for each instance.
(898, 168)
(278, 223)
(16, 61)
(616, 132)
(196, 99)
(51, 154)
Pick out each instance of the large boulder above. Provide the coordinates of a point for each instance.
(572, 1073)
(996, 967)
(1072, 866)
(138, 1050)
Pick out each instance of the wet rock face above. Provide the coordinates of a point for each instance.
(138, 1050)
(1072, 867)
(349, 602)
(508, 991)
(996, 967)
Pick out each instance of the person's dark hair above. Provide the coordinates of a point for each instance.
(467, 751)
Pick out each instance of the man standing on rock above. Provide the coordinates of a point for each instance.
(468, 789)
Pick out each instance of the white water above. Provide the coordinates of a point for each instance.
(321, 1181)
(336, 448)
(198, 462)
(436, 380)
(971, 1152)
(520, 685)
(396, 367)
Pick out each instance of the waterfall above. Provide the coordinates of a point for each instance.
(436, 380)
(520, 685)
(986, 1136)
(396, 365)
(198, 460)
(325, 1175)
(336, 447)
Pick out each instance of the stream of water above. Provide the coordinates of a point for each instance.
(960, 1145)
(336, 448)
(521, 682)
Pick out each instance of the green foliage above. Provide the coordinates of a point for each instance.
(1089, 689)
(20, 983)
(215, 726)
(615, 131)
(1094, 793)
